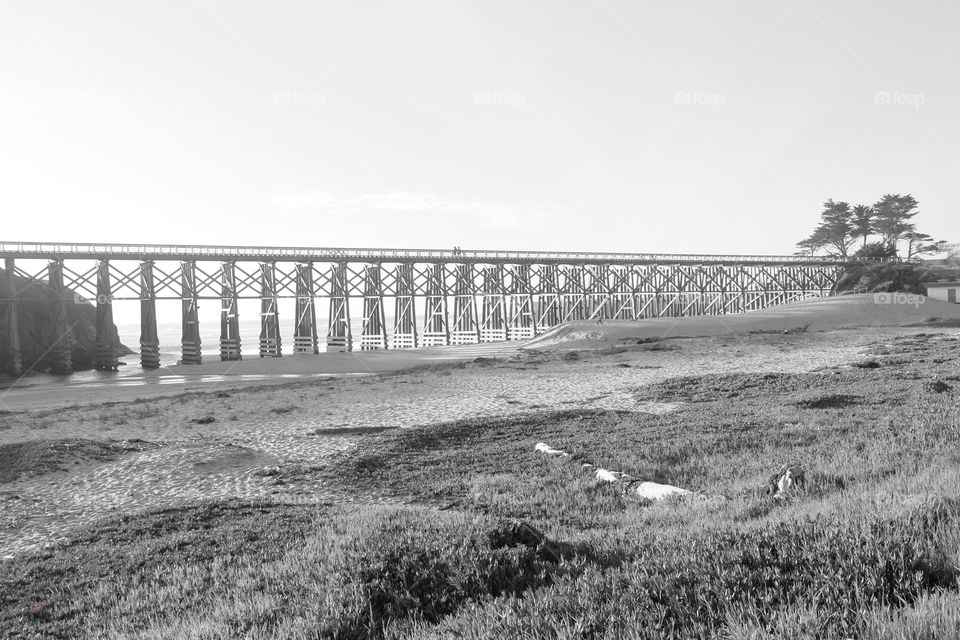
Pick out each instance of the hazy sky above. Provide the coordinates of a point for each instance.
(705, 127)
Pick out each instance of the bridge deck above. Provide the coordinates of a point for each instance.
(54, 251)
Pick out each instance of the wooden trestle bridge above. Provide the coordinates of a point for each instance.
(467, 296)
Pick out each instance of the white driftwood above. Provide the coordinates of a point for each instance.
(543, 447)
(655, 491)
(606, 476)
(648, 490)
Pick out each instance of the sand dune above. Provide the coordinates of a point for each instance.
(822, 314)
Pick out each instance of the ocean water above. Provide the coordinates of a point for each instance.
(127, 319)
(169, 334)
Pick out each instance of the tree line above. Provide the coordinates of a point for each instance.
(880, 229)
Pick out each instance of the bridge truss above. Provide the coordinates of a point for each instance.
(466, 296)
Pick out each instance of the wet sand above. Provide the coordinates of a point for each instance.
(44, 391)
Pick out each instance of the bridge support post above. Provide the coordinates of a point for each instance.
(269, 316)
(575, 298)
(738, 290)
(598, 299)
(60, 360)
(549, 310)
(666, 294)
(149, 340)
(339, 333)
(13, 328)
(644, 289)
(104, 355)
(758, 287)
(688, 286)
(190, 341)
(706, 294)
(493, 322)
(465, 329)
(697, 290)
(405, 314)
(623, 293)
(373, 335)
(229, 316)
(436, 330)
(305, 333)
(522, 322)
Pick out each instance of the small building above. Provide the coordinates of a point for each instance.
(948, 291)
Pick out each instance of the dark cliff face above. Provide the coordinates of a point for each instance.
(35, 316)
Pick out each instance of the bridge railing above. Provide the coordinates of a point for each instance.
(226, 253)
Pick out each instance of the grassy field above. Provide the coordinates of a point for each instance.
(870, 550)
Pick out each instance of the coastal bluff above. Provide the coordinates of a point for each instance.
(38, 335)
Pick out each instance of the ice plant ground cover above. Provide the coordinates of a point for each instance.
(868, 550)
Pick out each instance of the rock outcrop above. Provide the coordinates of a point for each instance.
(38, 335)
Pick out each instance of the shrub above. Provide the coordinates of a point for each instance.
(701, 585)
(835, 401)
(835, 569)
(425, 571)
(937, 386)
(876, 251)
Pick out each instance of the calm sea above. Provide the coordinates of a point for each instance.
(170, 333)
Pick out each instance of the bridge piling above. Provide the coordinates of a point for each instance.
(622, 294)
(686, 290)
(522, 322)
(149, 339)
(493, 323)
(269, 315)
(373, 334)
(575, 296)
(666, 295)
(191, 352)
(305, 333)
(339, 333)
(104, 354)
(597, 297)
(436, 329)
(549, 303)
(230, 348)
(14, 352)
(710, 289)
(60, 356)
(405, 313)
(465, 326)
(700, 304)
